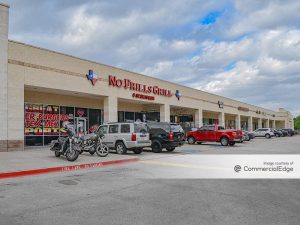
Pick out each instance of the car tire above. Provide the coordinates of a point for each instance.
(191, 140)
(224, 141)
(268, 136)
(232, 143)
(170, 149)
(138, 150)
(156, 147)
(57, 154)
(120, 148)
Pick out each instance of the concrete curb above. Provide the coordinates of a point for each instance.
(64, 168)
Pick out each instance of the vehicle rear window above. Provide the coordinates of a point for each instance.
(176, 128)
(140, 128)
(221, 128)
(125, 128)
(160, 126)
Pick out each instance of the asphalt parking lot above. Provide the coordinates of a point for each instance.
(275, 145)
(132, 194)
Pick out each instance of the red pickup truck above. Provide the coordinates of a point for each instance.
(214, 133)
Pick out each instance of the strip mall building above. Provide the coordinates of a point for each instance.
(40, 89)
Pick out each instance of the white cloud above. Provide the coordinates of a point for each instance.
(251, 52)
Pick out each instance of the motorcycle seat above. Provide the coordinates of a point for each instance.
(86, 137)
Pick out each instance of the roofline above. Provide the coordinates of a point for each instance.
(5, 5)
(101, 64)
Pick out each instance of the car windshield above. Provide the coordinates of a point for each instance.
(176, 128)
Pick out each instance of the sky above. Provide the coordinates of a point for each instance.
(247, 50)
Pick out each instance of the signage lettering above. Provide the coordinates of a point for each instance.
(133, 86)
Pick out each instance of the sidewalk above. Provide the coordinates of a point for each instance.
(42, 160)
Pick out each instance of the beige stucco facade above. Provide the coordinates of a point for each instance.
(36, 75)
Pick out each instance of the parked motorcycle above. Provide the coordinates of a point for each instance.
(93, 143)
(67, 146)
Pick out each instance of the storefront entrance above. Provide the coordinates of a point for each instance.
(44, 123)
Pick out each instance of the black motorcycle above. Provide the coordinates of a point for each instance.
(67, 146)
(93, 143)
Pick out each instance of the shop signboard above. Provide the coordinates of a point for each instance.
(33, 119)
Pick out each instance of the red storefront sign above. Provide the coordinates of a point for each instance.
(142, 96)
(133, 86)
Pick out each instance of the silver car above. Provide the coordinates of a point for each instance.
(264, 132)
(125, 136)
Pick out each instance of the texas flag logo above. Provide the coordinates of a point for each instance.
(178, 95)
(92, 77)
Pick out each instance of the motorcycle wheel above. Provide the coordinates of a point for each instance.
(102, 150)
(71, 155)
(57, 154)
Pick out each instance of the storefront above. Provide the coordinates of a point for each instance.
(42, 89)
(44, 122)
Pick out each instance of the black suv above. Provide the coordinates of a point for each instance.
(178, 133)
(291, 132)
(162, 136)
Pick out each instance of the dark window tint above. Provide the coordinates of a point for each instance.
(34, 140)
(125, 128)
(102, 129)
(48, 139)
(120, 116)
(160, 126)
(129, 116)
(113, 129)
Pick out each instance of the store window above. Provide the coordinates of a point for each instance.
(121, 116)
(33, 124)
(153, 116)
(94, 119)
(209, 121)
(129, 116)
(45, 122)
(66, 117)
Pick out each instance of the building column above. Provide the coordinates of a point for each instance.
(198, 118)
(222, 119)
(110, 109)
(250, 122)
(268, 123)
(259, 123)
(274, 124)
(3, 77)
(237, 122)
(164, 113)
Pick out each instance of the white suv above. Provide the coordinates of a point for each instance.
(125, 136)
(264, 132)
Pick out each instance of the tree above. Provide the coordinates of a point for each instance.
(297, 122)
